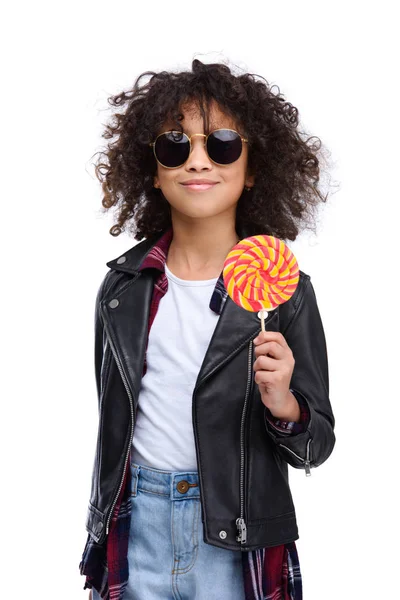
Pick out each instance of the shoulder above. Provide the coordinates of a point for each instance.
(289, 310)
(108, 281)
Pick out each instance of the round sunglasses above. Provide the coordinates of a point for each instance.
(172, 148)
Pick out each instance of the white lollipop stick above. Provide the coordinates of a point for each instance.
(263, 313)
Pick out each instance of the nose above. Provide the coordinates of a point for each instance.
(198, 158)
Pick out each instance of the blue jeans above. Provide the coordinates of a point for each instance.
(168, 559)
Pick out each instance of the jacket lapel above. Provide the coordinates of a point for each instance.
(126, 317)
(235, 328)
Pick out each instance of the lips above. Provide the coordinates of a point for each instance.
(199, 185)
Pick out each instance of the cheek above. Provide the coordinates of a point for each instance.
(166, 177)
(236, 175)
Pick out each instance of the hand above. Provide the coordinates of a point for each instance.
(273, 374)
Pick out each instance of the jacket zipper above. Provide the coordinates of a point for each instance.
(307, 463)
(240, 521)
(132, 424)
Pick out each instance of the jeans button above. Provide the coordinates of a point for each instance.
(182, 486)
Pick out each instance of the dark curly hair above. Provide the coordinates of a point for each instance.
(285, 166)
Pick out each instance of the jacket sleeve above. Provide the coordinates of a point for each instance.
(303, 330)
(99, 336)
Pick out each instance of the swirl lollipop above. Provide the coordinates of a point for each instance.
(260, 273)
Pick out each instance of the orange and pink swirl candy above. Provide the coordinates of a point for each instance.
(260, 273)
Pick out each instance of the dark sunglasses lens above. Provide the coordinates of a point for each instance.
(172, 149)
(224, 146)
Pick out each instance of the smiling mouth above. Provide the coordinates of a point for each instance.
(199, 186)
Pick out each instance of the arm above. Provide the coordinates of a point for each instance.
(303, 330)
(99, 335)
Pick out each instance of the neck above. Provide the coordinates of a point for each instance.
(198, 250)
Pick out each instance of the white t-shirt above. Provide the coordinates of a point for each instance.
(178, 340)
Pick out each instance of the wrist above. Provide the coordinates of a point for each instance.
(291, 411)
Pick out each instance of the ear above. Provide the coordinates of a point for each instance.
(156, 182)
(249, 181)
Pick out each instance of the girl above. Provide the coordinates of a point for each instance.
(199, 412)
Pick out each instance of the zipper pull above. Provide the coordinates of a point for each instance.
(242, 529)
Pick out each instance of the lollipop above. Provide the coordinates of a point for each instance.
(260, 273)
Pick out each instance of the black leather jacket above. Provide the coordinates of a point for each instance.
(242, 462)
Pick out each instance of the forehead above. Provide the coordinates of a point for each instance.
(193, 122)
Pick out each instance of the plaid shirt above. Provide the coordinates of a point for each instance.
(269, 573)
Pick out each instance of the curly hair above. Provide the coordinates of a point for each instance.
(286, 166)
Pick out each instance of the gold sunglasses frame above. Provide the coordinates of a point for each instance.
(244, 140)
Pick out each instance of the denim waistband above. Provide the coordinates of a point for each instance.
(176, 485)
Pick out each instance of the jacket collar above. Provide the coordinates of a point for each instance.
(132, 260)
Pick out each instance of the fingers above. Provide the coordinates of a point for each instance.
(272, 378)
(270, 336)
(272, 348)
(266, 363)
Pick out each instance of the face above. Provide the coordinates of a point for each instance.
(228, 180)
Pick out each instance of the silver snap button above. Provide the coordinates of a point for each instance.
(113, 303)
(121, 259)
(223, 535)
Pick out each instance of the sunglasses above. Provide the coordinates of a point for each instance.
(172, 148)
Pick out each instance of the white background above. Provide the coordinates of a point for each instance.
(336, 63)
